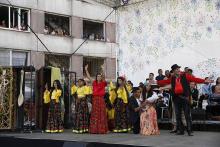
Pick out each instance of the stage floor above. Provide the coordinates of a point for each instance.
(165, 139)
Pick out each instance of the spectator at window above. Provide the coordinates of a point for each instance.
(23, 26)
(92, 37)
(65, 33)
(46, 30)
(102, 38)
(3, 24)
(160, 76)
(53, 32)
(97, 37)
(59, 31)
(194, 94)
(56, 32)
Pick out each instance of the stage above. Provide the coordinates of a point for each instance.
(68, 139)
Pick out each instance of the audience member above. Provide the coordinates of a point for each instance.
(194, 95)
(160, 75)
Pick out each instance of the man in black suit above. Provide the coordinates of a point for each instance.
(135, 107)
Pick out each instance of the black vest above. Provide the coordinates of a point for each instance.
(184, 83)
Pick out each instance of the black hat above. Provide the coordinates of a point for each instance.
(135, 89)
(175, 66)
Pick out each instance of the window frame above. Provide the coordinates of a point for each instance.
(87, 58)
(19, 18)
(11, 56)
(62, 15)
(97, 21)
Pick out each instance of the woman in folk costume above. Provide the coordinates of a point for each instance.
(98, 118)
(81, 107)
(148, 118)
(55, 122)
(109, 100)
(122, 122)
(89, 96)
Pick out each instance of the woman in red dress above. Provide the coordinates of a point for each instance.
(98, 118)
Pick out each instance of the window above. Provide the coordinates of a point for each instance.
(57, 25)
(4, 23)
(4, 58)
(94, 65)
(60, 61)
(13, 58)
(93, 30)
(14, 18)
(19, 58)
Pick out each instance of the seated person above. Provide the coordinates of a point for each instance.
(206, 92)
(214, 99)
(163, 102)
(213, 107)
(194, 94)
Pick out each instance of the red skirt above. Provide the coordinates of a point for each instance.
(98, 119)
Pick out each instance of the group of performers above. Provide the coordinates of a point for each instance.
(120, 107)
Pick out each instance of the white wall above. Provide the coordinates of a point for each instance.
(16, 40)
(92, 11)
(68, 7)
(156, 34)
(67, 45)
(22, 3)
(56, 6)
(95, 48)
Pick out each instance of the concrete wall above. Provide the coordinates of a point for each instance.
(56, 44)
(92, 11)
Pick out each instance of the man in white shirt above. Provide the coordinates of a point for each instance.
(135, 107)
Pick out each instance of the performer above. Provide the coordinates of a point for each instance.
(109, 100)
(81, 124)
(55, 122)
(98, 118)
(135, 108)
(46, 105)
(122, 122)
(181, 92)
(148, 118)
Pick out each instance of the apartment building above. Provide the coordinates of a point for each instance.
(75, 33)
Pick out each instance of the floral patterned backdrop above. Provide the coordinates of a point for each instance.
(158, 33)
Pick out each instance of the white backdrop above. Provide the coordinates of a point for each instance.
(158, 33)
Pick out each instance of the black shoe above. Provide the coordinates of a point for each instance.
(173, 131)
(180, 133)
(189, 133)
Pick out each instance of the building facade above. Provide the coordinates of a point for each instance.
(75, 33)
